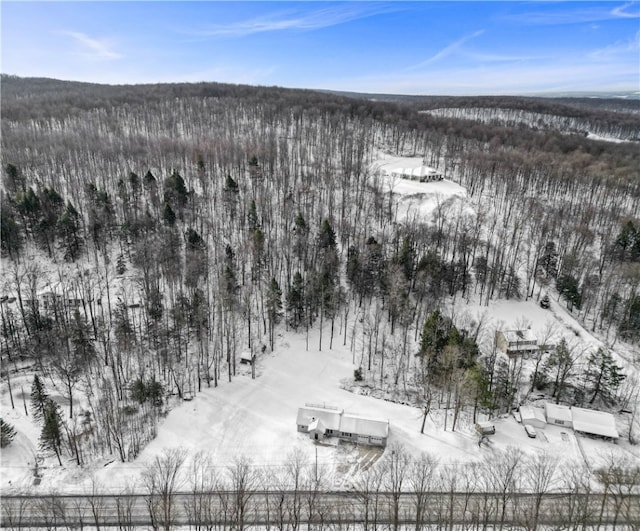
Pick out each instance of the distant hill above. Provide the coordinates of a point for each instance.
(609, 101)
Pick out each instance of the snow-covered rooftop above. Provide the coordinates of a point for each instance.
(594, 422)
(519, 336)
(329, 417)
(532, 413)
(558, 411)
(363, 426)
(420, 171)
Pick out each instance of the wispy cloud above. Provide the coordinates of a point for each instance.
(447, 50)
(617, 49)
(92, 48)
(501, 78)
(575, 16)
(283, 21)
(621, 11)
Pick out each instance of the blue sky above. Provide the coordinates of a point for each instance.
(387, 47)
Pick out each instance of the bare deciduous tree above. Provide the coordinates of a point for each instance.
(162, 480)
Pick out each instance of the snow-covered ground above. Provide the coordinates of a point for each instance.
(594, 136)
(256, 418)
(418, 200)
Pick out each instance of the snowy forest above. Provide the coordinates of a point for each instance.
(152, 235)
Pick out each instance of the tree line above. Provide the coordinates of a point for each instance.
(504, 490)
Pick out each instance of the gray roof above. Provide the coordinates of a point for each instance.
(330, 417)
(594, 422)
(317, 418)
(363, 426)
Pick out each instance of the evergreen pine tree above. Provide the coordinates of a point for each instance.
(10, 231)
(51, 434)
(295, 301)
(39, 398)
(252, 216)
(274, 307)
(69, 231)
(168, 215)
(175, 191)
(603, 376)
(301, 230)
(7, 433)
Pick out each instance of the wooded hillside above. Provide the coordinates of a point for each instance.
(151, 233)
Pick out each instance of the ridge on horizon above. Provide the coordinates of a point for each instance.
(630, 95)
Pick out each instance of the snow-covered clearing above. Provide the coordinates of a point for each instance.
(594, 136)
(417, 200)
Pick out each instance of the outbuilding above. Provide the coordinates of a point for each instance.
(558, 415)
(533, 416)
(246, 357)
(597, 423)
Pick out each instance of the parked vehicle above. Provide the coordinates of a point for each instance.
(485, 428)
(531, 431)
(545, 303)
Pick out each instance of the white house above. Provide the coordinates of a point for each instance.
(424, 174)
(363, 430)
(320, 422)
(533, 416)
(558, 414)
(593, 422)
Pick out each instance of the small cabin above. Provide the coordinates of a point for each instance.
(246, 358)
(517, 342)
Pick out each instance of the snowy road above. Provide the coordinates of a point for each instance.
(239, 510)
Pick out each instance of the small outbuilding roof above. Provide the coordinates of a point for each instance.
(558, 411)
(420, 171)
(594, 422)
(532, 413)
(329, 417)
(364, 426)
